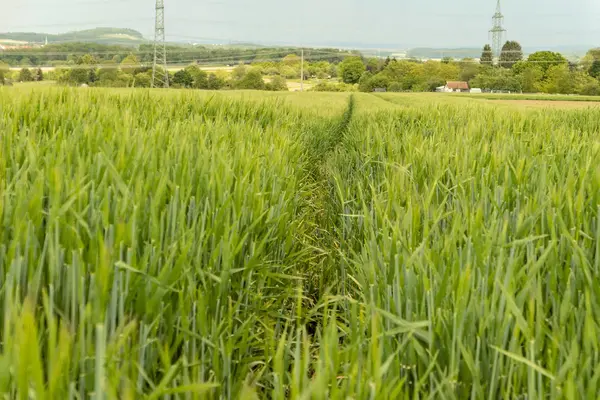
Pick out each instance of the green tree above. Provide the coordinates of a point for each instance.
(130, 64)
(415, 80)
(4, 71)
(312, 70)
(290, 72)
(546, 59)
(380, 81)
(333, 87)
(559, 80)
(323, 69)
(395, 87)
(272, 71)
(487, 57)
(364, 83)
(594, 70)
(106, 75)
(591, 56)
(433, 83)
(60, 75)
(449, 72)
(199, 77)
(351, 69)
(510, 54)
(468, 69)
(333, 71)
(291, 60)
(413, 76)
(432, 69)
(87, 59)
(374, 65)
(25, 75)
(497, 79)
(277, 84)
(120, 79)
(398, 70)
(124, 80)
(25, 62)
(93, 76)
(581, 80)
(39, 75)
(259, 67)
(591, 89)
(215, 82)
(78, 75)
(252, 80)
(183, 78)
(239, 72)
(531, 76)
(143, 80)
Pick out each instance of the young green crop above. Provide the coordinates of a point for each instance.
(185, 245)
(164, 225)
(485, 224)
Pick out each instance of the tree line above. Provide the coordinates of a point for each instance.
(131, 72)
(68, 54)
(540, 72)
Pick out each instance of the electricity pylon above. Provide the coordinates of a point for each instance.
(160, 79)
(497, 31)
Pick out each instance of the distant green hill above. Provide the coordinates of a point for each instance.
(97, 35)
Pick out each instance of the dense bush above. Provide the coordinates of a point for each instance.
(333, 87)
(277, 83)
(591, 89)
(251, 80)
(26, 75)
(395, 87)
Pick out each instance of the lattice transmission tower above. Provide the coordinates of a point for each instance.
(497, 31)
(160, 79)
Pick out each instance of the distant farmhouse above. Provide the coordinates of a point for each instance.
(454, 87)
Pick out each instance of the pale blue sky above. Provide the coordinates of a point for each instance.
(398, 23)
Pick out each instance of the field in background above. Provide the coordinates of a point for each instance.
(237, 244)
(522, 101)
(525, 96)
(550, 104)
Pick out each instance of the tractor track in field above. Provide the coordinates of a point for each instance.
(322, 204)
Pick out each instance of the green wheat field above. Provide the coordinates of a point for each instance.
(187, 245)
